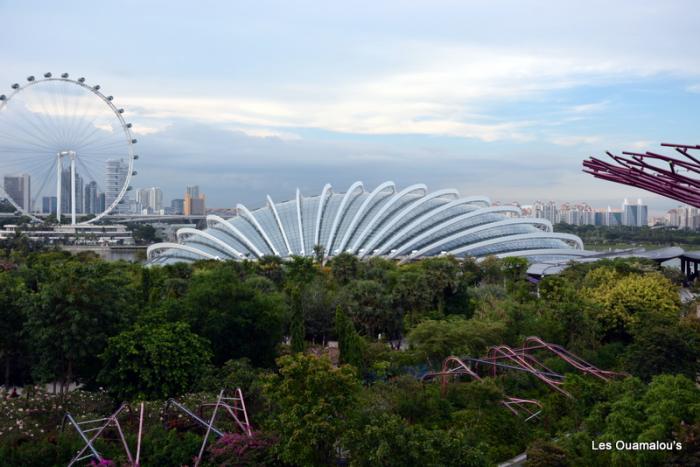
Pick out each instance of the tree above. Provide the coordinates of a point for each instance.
(455, 336)
(312, 403)
(622, 300)
(13, 298)
(77, 307)
(350, 343)
(664, 346)
(145, 233)
(369, 305)
(388, 440)
(235, 315)
(319, 253)
(153, 361)
(546, 454)
(296, 327)
(344, 267)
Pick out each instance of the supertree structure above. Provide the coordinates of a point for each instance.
(674, 177)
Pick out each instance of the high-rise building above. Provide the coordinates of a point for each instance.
(116, 172)
(90, 200)
(18, 187)
(101, 200)
(67, 195)
(193, 204)
(150, 199)
(48, 205)
(177, 206)
(635, 215)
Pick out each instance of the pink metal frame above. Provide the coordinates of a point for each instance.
(234, 405)
(454, 367)
(98, 426)
(675, 178)
(521, 359)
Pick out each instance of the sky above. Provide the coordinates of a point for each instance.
(496, 98)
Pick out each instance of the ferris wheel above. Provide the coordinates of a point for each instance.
(65, 150)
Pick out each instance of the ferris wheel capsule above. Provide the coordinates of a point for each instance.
(15, 86)
(64, 75)
(81, 80)
(30, 78)
(47, 75)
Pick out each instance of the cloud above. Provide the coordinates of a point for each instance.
(267, 133)
(592, 107)
(575, 140)
(694, 88)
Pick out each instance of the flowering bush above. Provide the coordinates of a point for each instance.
(237, 449)
(37, 413)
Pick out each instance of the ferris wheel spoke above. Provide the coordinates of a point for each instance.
(57, 112)
(39, 134)
(43, 116)
(105, 147)
(90, 137)
(29, 142)
(46, 178)
(82, 164)
(87, 120)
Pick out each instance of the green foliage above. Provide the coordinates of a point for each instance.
(633, 412)
(144, 233)
(296, 327)
(238, 317)
(77, 307)
(369, 306)
(312, 402)
(388, 440)
(350, 344)
(455, 336)
(153, 361)
(13, 300)
(664, 346)
(622, 300)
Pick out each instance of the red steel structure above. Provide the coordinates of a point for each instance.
(523, 358)
(455, 367)
(673, 177)
(503, 357)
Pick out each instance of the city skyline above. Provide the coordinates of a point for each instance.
(413, 91)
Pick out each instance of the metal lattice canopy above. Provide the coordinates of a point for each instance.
(674, 177)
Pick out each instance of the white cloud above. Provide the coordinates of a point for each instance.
(694, 88)
(592, 107)
(267, 133)
(575, 140)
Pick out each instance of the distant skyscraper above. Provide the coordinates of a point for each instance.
(150, 199)
(101, 200)
(177, 206)
(116, 172)
(48, 205)
(91, 195)
(194, 204)
(19, 189)
(635, 215)
(66, 195)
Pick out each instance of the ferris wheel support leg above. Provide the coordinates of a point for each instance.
(59, 169)
(72, 189)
